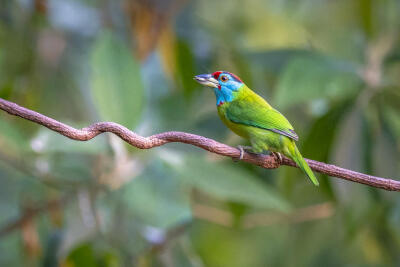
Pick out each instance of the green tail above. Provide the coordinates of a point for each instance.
(298, 158)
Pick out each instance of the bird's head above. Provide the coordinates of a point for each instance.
(220, 80)
(225, 84)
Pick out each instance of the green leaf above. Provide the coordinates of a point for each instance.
(389, 104)
(314, 77)
(276, 60)
(387, 143)
(11, 244)
(318, 144)
(11, 137)
(116, 82)
(90, 255)
(366, 16)
(391, 118)
(9, 194)
(185, 68)
(82, 256)
(156, 198)
(230, 183)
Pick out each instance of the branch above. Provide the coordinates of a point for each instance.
(265, 161)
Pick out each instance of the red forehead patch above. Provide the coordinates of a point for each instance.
(218, 73)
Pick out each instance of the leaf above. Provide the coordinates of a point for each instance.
(89, 255)
(156, 197)
(391, 119)
(9, 194)
(384, 144)
(230, 183)
(390, 108)
(319, 142)
(276, 60)
(11, 244)
(69, 167)
(366, 17)
(11, 137)
(53, 245)
(116, 83)
(313, 77)
(185, 68)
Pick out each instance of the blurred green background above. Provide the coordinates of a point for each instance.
(332, 67)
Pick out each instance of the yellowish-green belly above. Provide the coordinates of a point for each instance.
(260, 139)
(238, 129)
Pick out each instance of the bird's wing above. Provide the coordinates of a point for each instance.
(258, 114)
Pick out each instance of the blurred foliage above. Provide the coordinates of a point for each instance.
(332, 67)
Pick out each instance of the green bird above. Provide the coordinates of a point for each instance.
(248, 115)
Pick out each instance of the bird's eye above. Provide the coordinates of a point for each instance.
(224, 78)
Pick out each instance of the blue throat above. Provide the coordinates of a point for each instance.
(227, 93)
(223, 95)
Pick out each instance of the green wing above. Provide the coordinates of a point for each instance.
(258, 114)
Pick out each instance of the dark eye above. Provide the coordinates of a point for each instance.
(224, 78)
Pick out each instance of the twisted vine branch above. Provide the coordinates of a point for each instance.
(265, 161)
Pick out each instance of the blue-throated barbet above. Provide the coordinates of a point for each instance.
(251, 117)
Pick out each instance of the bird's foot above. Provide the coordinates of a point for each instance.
(278, 156)
(242, 150)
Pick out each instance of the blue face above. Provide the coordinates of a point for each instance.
(225, 85)
(228, 84)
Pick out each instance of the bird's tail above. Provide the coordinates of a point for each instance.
(296, 156)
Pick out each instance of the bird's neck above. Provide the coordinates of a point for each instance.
(225, 95)
(242, 93)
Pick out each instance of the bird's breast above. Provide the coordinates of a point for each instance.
(239, 129)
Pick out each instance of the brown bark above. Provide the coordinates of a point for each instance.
(265, 161)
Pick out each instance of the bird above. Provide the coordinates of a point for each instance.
(250, 116)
